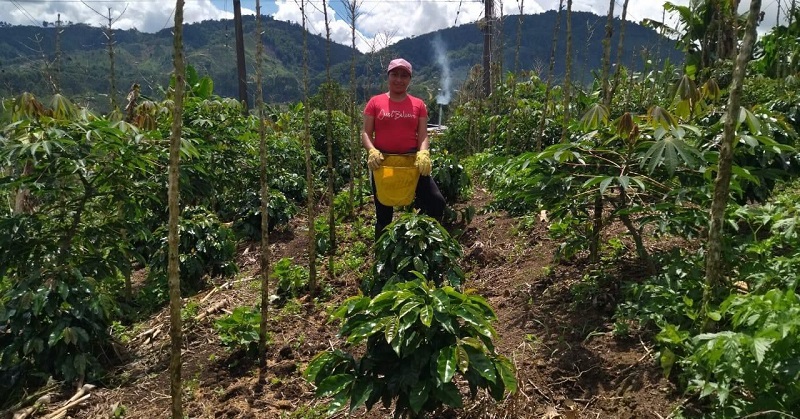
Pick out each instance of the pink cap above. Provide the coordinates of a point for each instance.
(399, 63)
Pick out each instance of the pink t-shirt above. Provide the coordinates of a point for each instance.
(396, 123)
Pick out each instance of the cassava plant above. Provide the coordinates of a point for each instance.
(746, 364)
(420, 340)
(63, 255)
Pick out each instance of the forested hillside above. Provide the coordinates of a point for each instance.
(464, 45)
(28, 56)
(145, 58)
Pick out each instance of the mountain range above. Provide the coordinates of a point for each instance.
(78, 63)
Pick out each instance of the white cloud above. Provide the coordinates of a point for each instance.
(382, 22)
(144, 15)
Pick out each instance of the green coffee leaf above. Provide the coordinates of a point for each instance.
(448, 393)
(480, 363)
(507, 374)
(426, 315)
(469, 315)
(316, 364)
(462, 359)
(392, 326)
(418, 395)
(362, 389)
(446, 363)
(409, 306)
(338, 402)
(334, 384)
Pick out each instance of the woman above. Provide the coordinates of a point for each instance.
(396, 122)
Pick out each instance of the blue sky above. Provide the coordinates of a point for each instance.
(382, 22)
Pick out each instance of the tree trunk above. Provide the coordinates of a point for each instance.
(597, 215)
(264, 190)
(487, 47)
(498, 48)
(241, 68)
(548, 87)
(590, 28)
(352, 8)
(57, 64)
(620, 46)
(607, 55)
(519, 34)
(329, 142)
(112, 73)
(511, 126)
(715, 266)
(312, 235)
(22, 201)
(175, 333)
(567, 74)
(597, 227)
(641, 251)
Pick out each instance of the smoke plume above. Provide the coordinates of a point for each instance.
(443, 98)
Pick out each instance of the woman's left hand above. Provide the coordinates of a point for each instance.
(423, 162)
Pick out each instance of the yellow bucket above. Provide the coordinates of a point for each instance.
(396, 180)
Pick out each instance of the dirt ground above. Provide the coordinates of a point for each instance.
(569, 363)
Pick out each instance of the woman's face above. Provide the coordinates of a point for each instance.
(399, 79)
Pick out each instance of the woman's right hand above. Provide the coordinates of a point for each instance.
(374, 159)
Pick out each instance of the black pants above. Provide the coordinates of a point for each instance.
(428, 200)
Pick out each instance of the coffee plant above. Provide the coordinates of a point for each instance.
(418, 243)
(450, 177)
(292, 280)
(207, 248)
(419, 339)
(247, 217)
(239, 330)
(55, 323)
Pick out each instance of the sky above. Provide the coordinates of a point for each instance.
(381, 22)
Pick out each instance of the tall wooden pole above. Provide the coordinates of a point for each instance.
(487, 48)
(173, 199)
(567, 75)
(264, 192)
(57, 81)
(242, 71)
(112, 75)
(549, 85)
(715, 264)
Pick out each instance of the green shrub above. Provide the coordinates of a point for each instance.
(239, 330)
(752, 365)
(62, 259)
(53, 322)
(742, 357)
(292, 280)
(340, 134)
(450, 177)
(671, 297)
(247, 222)
(341, 202)
(415, 243)
(418, 338)
(207, 247)
(322, 234)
